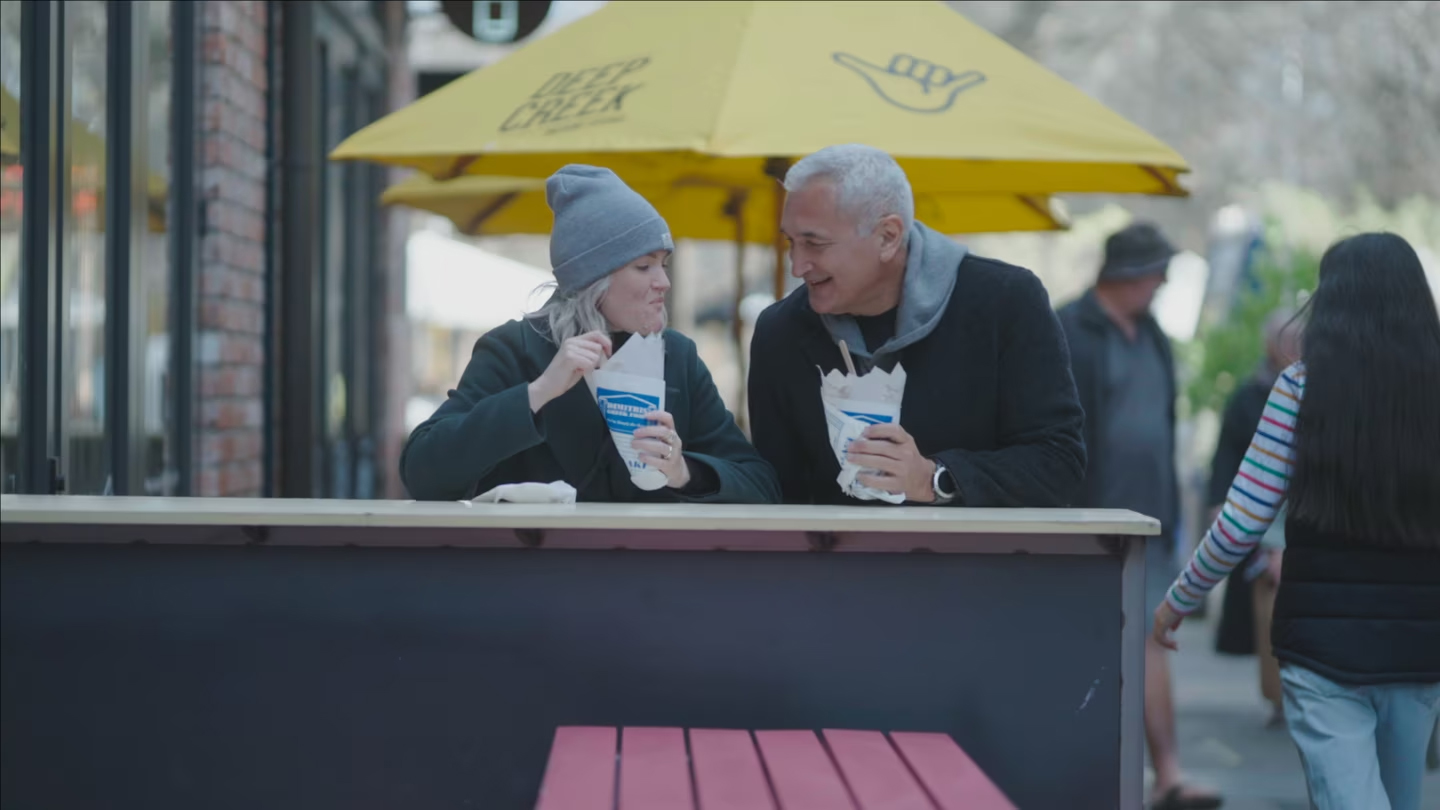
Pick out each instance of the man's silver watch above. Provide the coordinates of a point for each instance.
(939, 480)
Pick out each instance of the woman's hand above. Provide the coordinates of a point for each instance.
(1274, 561)
(1166, 622)
(576, 356)
(660, 447)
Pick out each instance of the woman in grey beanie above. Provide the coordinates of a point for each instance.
(518, 414)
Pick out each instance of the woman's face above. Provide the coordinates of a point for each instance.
(635, 300)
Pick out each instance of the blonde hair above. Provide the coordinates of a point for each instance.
(570, 314)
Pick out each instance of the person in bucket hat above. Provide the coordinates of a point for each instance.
(1125, 374)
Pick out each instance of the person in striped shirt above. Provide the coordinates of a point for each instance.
(1253, 501)
(1349, 444)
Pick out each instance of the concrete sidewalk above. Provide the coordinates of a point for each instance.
(1223, 740)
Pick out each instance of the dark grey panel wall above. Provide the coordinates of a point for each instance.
(180, 677)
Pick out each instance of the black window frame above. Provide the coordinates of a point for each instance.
(42, 452)
(331, 55)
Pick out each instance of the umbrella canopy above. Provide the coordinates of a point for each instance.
(480, 206)
(729, 92)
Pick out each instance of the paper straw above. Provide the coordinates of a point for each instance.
(849, 361)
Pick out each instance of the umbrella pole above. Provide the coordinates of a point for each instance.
(776, 168)
(735, 208)
(779, 243)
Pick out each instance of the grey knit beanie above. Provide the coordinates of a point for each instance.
(601, 225)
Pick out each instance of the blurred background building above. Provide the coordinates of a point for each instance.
(194, 301)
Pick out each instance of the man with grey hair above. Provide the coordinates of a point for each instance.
(990, 415)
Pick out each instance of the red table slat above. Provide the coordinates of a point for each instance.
(877, 777)
(654, 770)
(728, 774)
(801, 772)
(952, 778)
(581, 771)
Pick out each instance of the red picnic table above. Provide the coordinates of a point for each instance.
(726, 769)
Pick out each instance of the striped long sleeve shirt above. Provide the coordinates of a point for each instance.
(1254, 497)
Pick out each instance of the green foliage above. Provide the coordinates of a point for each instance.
(1228, 351)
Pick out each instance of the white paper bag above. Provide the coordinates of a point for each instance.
(853, 403)
(529, 492)
(626, 387)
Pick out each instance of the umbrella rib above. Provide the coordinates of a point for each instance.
(461, 164)
(1170, 188)
(1040, 209)
(488, 211)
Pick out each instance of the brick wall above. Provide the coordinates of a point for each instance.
(229, 351)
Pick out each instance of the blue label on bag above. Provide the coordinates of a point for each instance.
(870, 418)
(625, 411)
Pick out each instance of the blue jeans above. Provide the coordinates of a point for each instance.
(1361, 746)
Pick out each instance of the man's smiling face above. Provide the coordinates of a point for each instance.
(842, 269)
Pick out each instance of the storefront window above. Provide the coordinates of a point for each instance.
(83, 348)
(98, 362)
(12, 218)
(153, 266)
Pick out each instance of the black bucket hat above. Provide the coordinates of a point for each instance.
(1135, 251)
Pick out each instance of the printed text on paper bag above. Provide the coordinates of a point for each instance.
(868, 419)
(625, 411)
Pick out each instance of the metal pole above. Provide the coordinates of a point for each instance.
(776, 168)
(184, 122)
(273, 79)
(735, 209)
(118, 210)
(39, 31)
(61, 377)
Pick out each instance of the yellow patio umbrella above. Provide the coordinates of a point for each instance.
(486, 205)
(729, 93)
(658, 91)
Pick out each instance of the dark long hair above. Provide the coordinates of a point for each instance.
(1367, 454)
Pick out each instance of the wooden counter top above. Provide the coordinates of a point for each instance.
(76, 510)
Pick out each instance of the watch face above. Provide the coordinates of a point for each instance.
(944, 483)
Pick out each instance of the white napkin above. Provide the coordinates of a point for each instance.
(852, 403)
(529, 492)
(630, 384)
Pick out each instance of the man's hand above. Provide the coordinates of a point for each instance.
(891, 452)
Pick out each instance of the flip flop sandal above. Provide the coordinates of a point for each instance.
(1173, 800)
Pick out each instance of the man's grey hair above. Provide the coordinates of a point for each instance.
(869, 184)
(568, 315)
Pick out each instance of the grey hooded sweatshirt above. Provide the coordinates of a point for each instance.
(988, 393)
